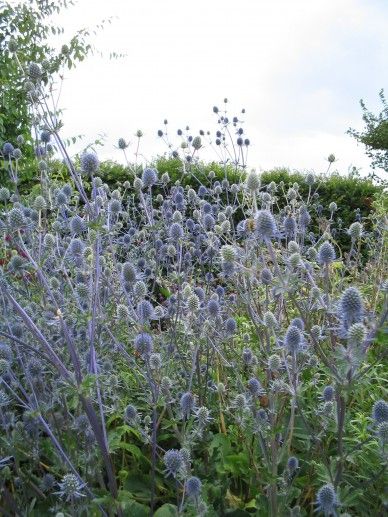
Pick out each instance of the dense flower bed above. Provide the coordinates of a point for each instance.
(187, 351)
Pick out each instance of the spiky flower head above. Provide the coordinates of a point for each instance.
(327, 500)
(351, 306)
(292, 464)
(48, 482)
(143, 344)
(328, 393)
(45, 136)
(380, 411)
(16, 219)
(274, 363)
(187, 402)
(70, 488)
(266, 276)
(129, 273)
(122, 144)
(89, 162)
(293, 247)
(355, 230)
(265, 224)
(202, 416)
(4, 194)
(310, 179)
(293, 339)
(326, 253)
(228, 253)
(149, 177)
(8, 150)
(269, 320)
(173, 462)
(213, 308)
(77, 225)
(295, 260)
(193, 487)
(40, 203)
(34, 72)
(197, 143)
(230, 325)
(382, 433)
(175, 232)
(145, 311)
(356, 334)
(131, 415)
(253, 181)
(254, 387)
(155, 361)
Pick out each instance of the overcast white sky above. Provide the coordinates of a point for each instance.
(298, 67)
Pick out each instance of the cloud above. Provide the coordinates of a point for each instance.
(299, 68)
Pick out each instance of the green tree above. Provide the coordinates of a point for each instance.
(375, 134)
(29, 35)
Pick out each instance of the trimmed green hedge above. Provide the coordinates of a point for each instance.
(349, 192)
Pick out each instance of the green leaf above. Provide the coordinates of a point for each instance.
(167, 510)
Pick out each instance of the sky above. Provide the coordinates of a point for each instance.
(299, 68)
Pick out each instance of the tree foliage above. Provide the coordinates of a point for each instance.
(28, 35)
(375, 134)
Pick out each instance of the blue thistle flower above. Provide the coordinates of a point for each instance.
(266, 276)
(297, 322)
(327, 500)
(328, 393)
(76, 247)
(145, 311)
(292, 464)
(143, 344)
(208, 221)
(70, 488)
(326, 253)
(122, 144)
(265, 224)
(202, 191)
(8, 149)
(289, 226)
(293, 339)
(193, 487)
(115, 206)
(45, 136)
(173, 462)
(16, 219)
(176, 232)
(77, 225)
(47, 483)
(131, 415)
(254, 387)
(351, 306)
(230, 325)
(34, 71)
(213, 308)
(247, 356)
(129, 273)
(304, 218)
(67, 190)
(89, 162)
(187, 404)
(149, 177)
(380, 411)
